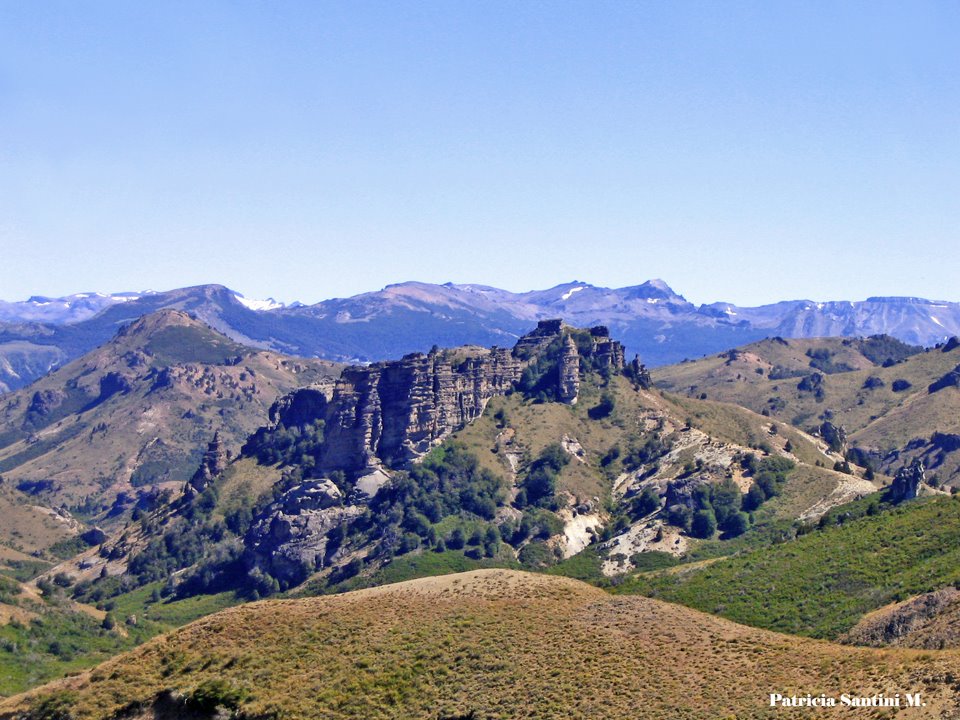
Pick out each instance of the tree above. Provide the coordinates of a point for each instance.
(604, 408)
(491, 542)
(754, 498)
(736, 524)
(457, 539)
(725, 499)
(679, 515)
(704, 524)
(645, 503)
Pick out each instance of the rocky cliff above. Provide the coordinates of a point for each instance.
(391, 413)
(384, 416)
(394, 412)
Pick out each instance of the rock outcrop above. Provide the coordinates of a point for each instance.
(951, 379)
(394, 412)
(294, 537)
(917, 622)
(835, 436)
(213, 463)
(386, 415)
(906, 484)
(569, 372)
(391, 413)
(44, 402)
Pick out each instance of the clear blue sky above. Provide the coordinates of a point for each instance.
(742, 151)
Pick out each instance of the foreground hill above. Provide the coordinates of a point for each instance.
(485, 644)
(650, 318)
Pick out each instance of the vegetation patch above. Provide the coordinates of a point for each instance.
(824, 581)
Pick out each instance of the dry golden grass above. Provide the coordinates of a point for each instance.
(26, 528)
(243, 481)
(502, 644)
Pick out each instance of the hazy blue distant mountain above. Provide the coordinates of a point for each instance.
(69, 309)
(651, 319)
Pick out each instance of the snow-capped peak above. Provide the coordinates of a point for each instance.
(259, 305)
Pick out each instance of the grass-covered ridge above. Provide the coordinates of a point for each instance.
(823, 582)
(486, 644)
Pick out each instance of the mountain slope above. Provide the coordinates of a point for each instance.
(471, 456)
(482, 644)
(893, 403)
(825, 581)
(138, 413)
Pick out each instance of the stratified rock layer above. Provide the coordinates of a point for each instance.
(391, 413)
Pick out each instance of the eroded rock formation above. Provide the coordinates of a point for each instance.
(386, 415)
(906, 484)
(293, 537)
(213, 463)
(396, 411)
(391, 413)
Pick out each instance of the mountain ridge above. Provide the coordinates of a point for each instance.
(650, 318)
(137, 412)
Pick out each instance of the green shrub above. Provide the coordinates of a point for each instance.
(704, 524)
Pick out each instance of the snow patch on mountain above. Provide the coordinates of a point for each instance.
(259, 305)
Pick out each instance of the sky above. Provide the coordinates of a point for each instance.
(742, 151)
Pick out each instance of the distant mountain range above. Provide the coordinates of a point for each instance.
(660, 325)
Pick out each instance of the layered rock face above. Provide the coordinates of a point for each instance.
(391, 413)
(569, 371)
(386, 415)
(394, 412)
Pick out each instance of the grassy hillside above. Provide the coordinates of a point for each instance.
(48, 636)
(822, 583)
(491, 644)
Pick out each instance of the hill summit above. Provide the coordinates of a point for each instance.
(485, 644)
